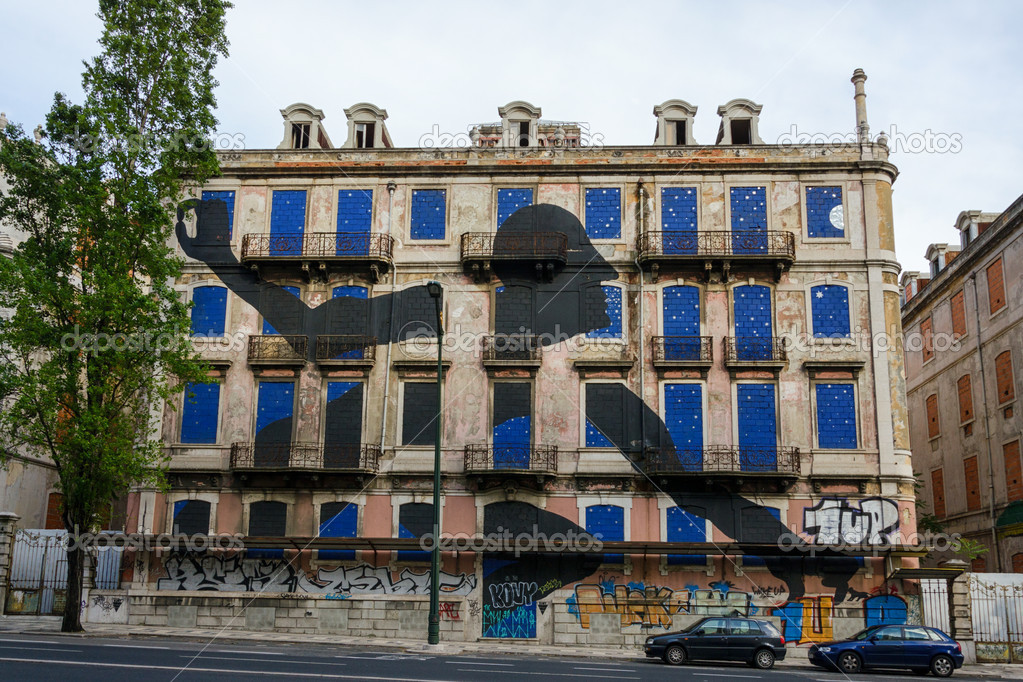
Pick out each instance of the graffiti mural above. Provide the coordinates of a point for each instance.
(201, 572)
(514, 623)
(652, 606)
(835, 519)
(807, 619)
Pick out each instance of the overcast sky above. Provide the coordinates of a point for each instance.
(949, 68)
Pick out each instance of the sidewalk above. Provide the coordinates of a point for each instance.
(796, 658)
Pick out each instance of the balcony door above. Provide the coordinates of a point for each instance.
(680, 322)
(683, 415)
(354, 222)
(512, 424)
(287, 222)
(275, 404)
(754, 326)
(342, 432)
(758, 427)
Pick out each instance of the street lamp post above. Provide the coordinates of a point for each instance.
(433, 631)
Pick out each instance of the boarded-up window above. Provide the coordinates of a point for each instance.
(933, 425)
(268, 519)
(191, 517)
(928, 341)
(965, 390)
(53, 518)
(972, 483)
(1017, 563)
(978, 566)
(1013, 472)
(938, 492)
(958, 314)
(1003, 377)
(995, 287)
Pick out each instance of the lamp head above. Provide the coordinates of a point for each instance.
(434, 288)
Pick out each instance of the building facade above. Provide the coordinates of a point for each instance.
(964, 349)
(666, 346)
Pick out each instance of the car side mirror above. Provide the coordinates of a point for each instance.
(873, 640)
(699, 633)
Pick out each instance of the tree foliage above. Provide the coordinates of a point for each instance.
(96, 338)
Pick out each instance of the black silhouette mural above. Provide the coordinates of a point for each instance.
(571, 302)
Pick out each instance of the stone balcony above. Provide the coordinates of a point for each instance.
(541, 253)
(317, 255)
(679, 251)
(498, 462)
(282, 464)
(278, 349)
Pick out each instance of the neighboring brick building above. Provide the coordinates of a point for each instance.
(703, 376)
(964, 353)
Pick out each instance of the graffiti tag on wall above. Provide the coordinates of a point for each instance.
(515, 623)
(235, 574)
(651, 606)
(835, 519)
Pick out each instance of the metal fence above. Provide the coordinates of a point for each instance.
(997, 612)
(934, 603)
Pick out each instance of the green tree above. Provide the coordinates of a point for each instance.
(96, 338)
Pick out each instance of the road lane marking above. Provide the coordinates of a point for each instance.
(30, 641)
(256, 660)
(179, 669)
(135, 646)
(751, 677)
(522, 672)
(248, 651)
(508, 665)
(603, 670)
(39, 648)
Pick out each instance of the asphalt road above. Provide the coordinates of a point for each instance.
(63, 658)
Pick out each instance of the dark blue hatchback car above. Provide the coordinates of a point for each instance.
(919, 648)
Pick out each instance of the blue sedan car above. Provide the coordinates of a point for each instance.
(919, 648)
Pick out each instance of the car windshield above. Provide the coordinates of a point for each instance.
(863, 634)
(769, 626)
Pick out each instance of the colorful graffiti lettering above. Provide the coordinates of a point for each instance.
(650, 606)
(509, 594)
(835, 519)
(807, 619)
(449, 611)
(514, 623)
(236, 574)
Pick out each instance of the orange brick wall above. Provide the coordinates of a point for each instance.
(1003, 377)
(1013, 471)
(925, 332)
(933, 426)
(972, 483)
(1017, 563)
(958, 314)
(995, 287)
(938, 491)
(965, 398)
(53, 519)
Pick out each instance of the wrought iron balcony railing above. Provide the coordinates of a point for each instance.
(311, 456)
(341, 348)
(754, 349)
(486, 458)
(682, 349)
(726, 459)
(318, 245)
(749, 244)
(515, 245)
(289, 348)
(511, 347)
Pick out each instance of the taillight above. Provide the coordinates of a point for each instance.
(783, 640)
(959, 647)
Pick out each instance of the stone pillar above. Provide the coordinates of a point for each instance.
(960, 615)
(7, 521)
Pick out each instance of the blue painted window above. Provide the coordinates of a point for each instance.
(750, 559)
(512, 442)
(754, 329)
(606, 522)
(358, 292)
(824, 213)
(613, 309)
(415, 519)
(275, 403)
(829, 304)
(603, 213)
(213, 210)
(338, 520)
(836, 416)
(749, 218)
(209, 311)
(199, 413)
(683, 417)
(683, 526)
(679, 219)
(354, 221)
(287, 222)
(606, 425)
(428, 213)
(191, 517)
(680, 318)
(757, 424)
(885, 609)
(511, 200)
(294, 291)
(594, 437)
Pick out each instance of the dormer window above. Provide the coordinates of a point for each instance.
(935, 268)
(680, 132)
(300, 135)
(742, 132)
(364, 133)
(523, 133)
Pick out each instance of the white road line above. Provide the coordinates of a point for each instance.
(471, 662)
(204, 657)
(180, 669)
(603, 670)
(255, 652)
(39, 648)
(29, 641)
(750, 677)
(135, 646)
(521, 672)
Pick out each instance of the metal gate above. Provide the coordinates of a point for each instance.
(38, 579)
(997, 611)
(934, 603)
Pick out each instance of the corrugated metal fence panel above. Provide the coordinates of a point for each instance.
(108, 568)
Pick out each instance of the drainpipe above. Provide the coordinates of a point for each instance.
(391, 186)
(641, 192)
(987, 430)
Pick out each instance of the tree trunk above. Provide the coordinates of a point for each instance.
(73, 604)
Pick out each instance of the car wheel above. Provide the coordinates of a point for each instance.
(942, 666)
(763, 659)
(849, 662)
(675, 655)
